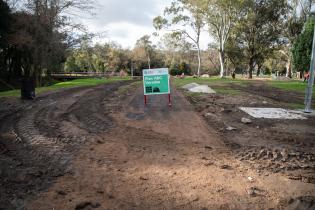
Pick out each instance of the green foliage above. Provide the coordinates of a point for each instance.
(68, 84)
(302, 48)
(178, 69)
(5, 19)
(99, 58)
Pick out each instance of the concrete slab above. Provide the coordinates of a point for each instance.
(273, 113)
(202, 89)
(196, 88)
(190, 85)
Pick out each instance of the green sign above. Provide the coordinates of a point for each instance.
(156, 81)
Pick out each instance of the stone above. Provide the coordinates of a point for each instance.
(246, 120)
(86, 205)
(251, 192)
(144, 178)
(208, 147)
(61, 192)
(210, 115)
(230, 128)
(209, 164)
(284, 154)
(100, 141)
(251, 179)
(225, 167)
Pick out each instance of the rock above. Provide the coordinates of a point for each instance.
(265, 102)
(225, 167)
(208, 147)
(251, 192)
(61, 192)
(251, 179)
(87, 205)
(209, 164)
(246, 120)
(230, 128)
(144, 178)
(275, 155)
(284, 154)
(261, 153)
(195, 199)
(100, 141)
(210, 115)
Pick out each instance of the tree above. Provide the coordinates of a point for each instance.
(5, 18)
(220, 18)
(302, 48)
(180, 17)
(38, 37)
(306, 8)
(258, 30)
(145, 44)
(298, 12)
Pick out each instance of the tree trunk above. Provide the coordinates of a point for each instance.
(221, 63)
(199, 60)
(259, 70)
(251, 68)
(149, 62)
(288, 69)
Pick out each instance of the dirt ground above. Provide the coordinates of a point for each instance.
(101, 148)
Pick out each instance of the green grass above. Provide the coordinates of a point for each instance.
(209, 81)
(227, 91)
(68, 84)
(284, 85)
(289, 85)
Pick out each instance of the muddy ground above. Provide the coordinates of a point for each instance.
(101, 148)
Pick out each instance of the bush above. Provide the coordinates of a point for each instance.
(178, 69)
(302, 48)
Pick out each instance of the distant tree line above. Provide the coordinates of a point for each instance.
(38, 38)
(172, 52)
(259, 36)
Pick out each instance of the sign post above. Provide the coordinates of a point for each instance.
(156, 82)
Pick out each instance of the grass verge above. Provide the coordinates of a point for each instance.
(68, 84)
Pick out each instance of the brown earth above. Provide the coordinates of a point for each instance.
(101, 148)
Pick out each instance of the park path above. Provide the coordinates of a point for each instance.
(156, 157)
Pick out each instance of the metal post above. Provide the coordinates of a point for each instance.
(309, 90)
(169, 100)
(145, 100)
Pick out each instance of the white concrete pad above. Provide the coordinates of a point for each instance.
(202, 89)
(273, 113)
(196, 88)
(190, 85)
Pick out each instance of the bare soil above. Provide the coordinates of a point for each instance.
(101, 148)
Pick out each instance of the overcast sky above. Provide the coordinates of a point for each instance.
(125, 21)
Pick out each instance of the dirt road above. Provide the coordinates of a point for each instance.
(101, 148)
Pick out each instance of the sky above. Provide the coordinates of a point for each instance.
(125, 21)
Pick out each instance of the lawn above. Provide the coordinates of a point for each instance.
(221, 86)
(68, 84)
(293, 85)
(209, 81)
